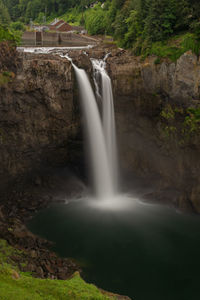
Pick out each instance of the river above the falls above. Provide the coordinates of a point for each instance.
(144, 251)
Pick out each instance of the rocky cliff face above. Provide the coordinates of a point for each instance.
(157, 107)
(177, 81)
(39, 117)
(158, 134)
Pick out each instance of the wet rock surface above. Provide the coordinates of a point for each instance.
(37, 257)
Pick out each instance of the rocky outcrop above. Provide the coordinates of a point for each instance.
(8, 57)
(39, 116)
(177, 81)
(155, 141)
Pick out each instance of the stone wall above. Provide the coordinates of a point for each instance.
(67, 39)
(50, 39)
(29, 38)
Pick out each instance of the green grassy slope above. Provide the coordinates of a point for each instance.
(16, 285)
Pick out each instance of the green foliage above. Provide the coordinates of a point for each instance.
(11, 35)
(5, 34)
(144, 26)
(192, 120)
(134, 29)
(173, 48)
(24, 286)
(191, 43)
(167, 113)
(73, 16)
(157, 61)
(95, 23)
(163, 49)
(181, 125)
(41, 17)
(17, 26)
(159, 23)
(4, 14)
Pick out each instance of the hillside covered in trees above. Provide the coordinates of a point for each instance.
(135, 24)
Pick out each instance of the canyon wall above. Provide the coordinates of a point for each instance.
(158, 135)
(156, 106)
(39, 116)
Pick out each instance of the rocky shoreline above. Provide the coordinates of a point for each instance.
(40, 260)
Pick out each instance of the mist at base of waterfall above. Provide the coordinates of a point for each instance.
(119, 203)
(145, 251)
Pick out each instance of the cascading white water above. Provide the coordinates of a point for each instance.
(106, 95)
(100, 165)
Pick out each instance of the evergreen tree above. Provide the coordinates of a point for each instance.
(161, 19)
(4, 14)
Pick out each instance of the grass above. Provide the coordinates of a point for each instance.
(22, 286)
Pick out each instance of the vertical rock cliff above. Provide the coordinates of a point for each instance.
(39, 117)
(157, 110)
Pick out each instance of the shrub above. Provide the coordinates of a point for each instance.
(17, 26)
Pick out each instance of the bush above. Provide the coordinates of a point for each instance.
(17, 26)
(5, 34)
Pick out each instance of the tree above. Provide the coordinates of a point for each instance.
(4, 14)
(134, 29)
(95, 21)
(161, 19)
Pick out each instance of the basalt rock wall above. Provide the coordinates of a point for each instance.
(39, 117)
(158, 137)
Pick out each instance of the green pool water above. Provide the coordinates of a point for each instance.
(146, 252)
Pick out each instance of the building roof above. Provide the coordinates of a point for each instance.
(60, 25)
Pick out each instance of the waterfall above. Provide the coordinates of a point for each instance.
(100, 127)
(101, 135)
(102, 79)
(100, 165)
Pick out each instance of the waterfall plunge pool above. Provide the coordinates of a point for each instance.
(145, 251)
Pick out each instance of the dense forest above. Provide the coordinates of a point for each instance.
(135, 24)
